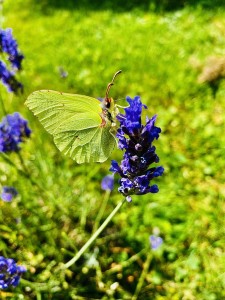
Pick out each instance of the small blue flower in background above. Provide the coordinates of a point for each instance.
(155, 241)
(9, 45)
(13, 130)
(139, 154)
(10, 273)
(108, 183)
(8, 193)
(63, 73)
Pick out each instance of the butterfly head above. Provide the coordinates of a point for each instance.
(108, 106)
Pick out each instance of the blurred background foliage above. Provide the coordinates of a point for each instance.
(118, 6)
(170, 53)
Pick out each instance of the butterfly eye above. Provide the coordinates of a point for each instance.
(108, 103)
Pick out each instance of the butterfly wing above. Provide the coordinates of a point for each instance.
(75, 123)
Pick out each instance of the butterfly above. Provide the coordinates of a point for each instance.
(82, 126)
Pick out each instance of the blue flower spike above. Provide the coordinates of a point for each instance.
(13, 131)
(136, 139)
(9, 46)
(8, 79)
(10, 273)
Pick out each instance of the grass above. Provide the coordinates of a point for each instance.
(161, 56)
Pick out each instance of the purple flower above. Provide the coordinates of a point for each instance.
(155, 241)
(62, 72)
(136, 139)
(13, 131)
(10, 273)
(8, 79)
(107, 183)
(8, 193)
(9, 45)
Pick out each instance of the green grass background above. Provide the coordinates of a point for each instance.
(160, 46)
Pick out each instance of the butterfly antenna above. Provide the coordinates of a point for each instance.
(111, 83)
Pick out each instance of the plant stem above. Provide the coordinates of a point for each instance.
(1, 13)
(20, 171)
(101, 210)
(142, 277)
(94, 236)
(125, 264)
(23, 164)
(11, 163)
(37, 286)
(1, 100)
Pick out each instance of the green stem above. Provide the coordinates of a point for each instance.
(125, 264)
(1, 100)
(101, 210)
(85, 206)
(23, 164)
(142, 277)
(37, 286)
(94, 236)
(1, 13)
(11, 163)
(21, 172)
(39, 296)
